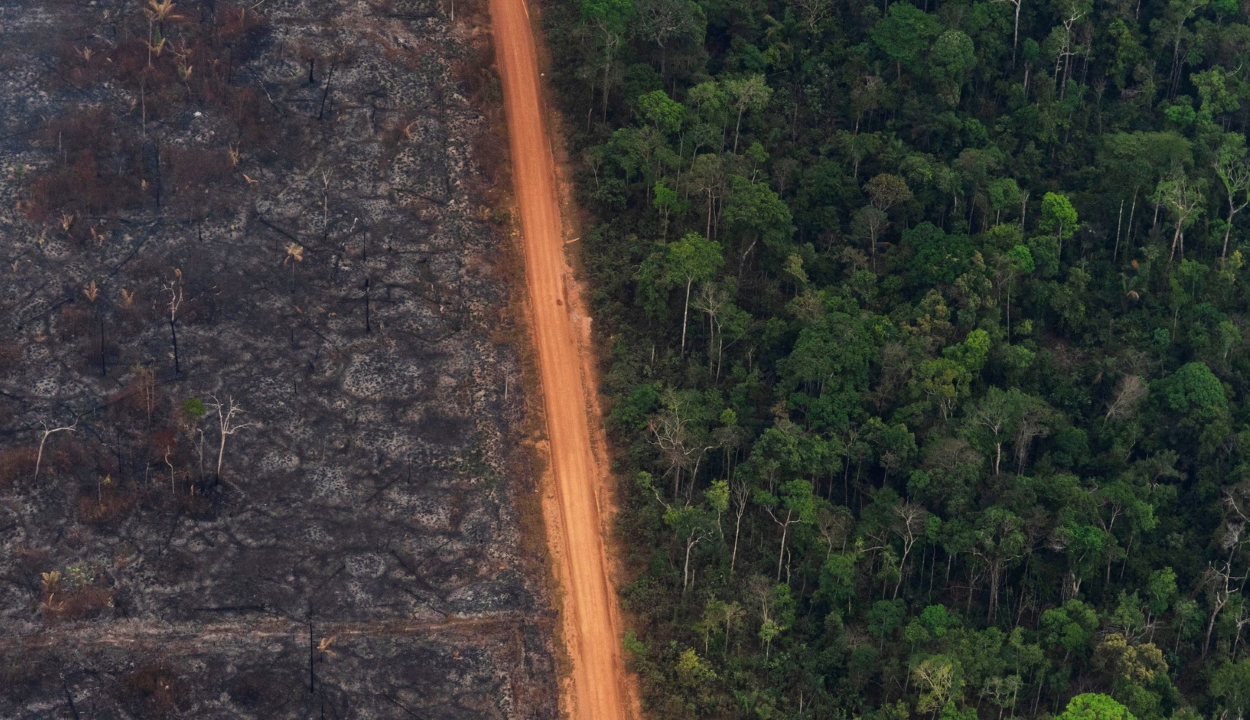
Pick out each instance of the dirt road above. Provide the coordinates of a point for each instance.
(575, 525)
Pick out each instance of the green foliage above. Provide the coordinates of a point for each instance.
(613, 15)
(1231, 685)
(665, 114)
(194, 408)
(1059, 216)
(904, 33)
(1094, 706)
(951, 62)
(913, 437)
(1193, 388)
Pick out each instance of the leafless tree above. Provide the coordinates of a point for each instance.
(682, 448)
(1128, 396)
(174, 288)
(1220, 582)
(43, 440)
(227, 424)
(910, 528)
(741, 491)
(170, 465)
(834, 523)
(711, 300)
(1184, 199)
(146, 380)
(1015, 33)
(783, 522)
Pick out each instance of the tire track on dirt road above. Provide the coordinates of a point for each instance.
(599, 688)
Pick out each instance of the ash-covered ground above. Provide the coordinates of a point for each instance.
(287, 208)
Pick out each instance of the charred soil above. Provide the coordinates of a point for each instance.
(285, 209)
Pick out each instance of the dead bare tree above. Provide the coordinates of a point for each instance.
(227, 425)
(325, 204)
(1129, 394)
(741, 491)
(910, 528)
(834, 523)
(790, 518)
(146, 380)
(174, 288)
(1222, 585)
(169, 448)
(1015, 33)
(43, 440)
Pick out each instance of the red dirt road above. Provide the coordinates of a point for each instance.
(575, 520)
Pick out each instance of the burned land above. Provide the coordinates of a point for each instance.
(260, 402)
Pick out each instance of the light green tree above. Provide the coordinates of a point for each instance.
(1231, 684)
(1234, 173)
(692, 259)
(747, 93)
(1095, 706)
(1059, 217)
(1184, 199)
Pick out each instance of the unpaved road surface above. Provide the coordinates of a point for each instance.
(592, 626)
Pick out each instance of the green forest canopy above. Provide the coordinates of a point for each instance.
(925, 350)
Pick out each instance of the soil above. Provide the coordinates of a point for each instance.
(577, 517)
(301, 193)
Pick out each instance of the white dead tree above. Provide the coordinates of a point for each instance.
(43, 441)
(227, 424)
(174, 288)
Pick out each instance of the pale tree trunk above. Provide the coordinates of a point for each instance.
(685, 313)
(740, 497)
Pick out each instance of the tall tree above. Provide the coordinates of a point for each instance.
(1184, 200)
(1233, 170)
(611, 18)
(692, 259)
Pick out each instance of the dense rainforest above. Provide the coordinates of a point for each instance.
(925, 341)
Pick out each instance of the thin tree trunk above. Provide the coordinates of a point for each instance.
(173, 333)
(1116, 253)
(785, 527)
(1228, 229)
(685, 313)
(733, 557)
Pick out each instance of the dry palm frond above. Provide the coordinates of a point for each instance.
(92, 291)
(294, 251)
(323, 647)
(161, 11)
